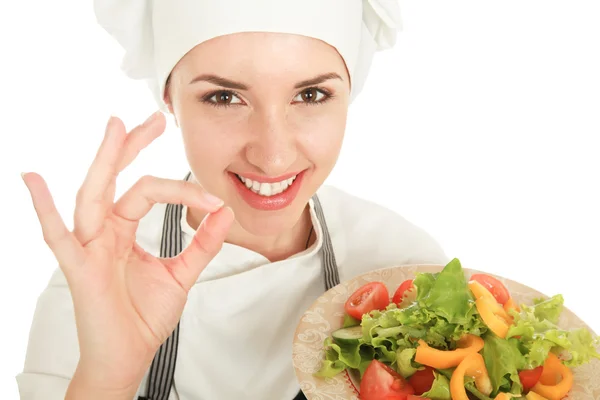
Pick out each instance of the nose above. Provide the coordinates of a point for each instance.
(272, 148)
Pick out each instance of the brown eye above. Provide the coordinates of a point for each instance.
(223, 97)
(311, 96)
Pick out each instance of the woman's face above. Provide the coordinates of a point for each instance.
(263, 117)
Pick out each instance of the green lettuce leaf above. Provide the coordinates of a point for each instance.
(449, 296)
(349, 354)
(440, 390)
(385, 349)
(539, 335)
(503, 360)
(329, 368)
(583, 347)
(404, 364)
(423, 282)
(549, 309)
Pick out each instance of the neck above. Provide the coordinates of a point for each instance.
(274, 248)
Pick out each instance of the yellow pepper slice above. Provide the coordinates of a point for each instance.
(442, 359)
(534, 396)
(554, 367)
(493, 315)
(511, 305)
(472, 366)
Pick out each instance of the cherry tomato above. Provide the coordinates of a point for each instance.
(381, 382)
(372, 296)
(530, 377)
(404, 286)
(422, 380)
(495, 287)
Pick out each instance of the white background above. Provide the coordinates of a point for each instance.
(481, 126)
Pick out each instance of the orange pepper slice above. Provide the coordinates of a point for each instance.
(554, 367)
(442, 359)
(493, 315)
(472, 366)
(511, 305)
(534, 396)
(504, 396)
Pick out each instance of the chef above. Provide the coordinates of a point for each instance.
(192, 288)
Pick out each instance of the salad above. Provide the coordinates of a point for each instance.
(444, 337)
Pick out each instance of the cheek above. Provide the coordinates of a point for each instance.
(321, 137)
(211, 139)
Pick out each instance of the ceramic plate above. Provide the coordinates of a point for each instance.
(326, 315)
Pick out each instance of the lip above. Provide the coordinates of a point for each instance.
(271, 203)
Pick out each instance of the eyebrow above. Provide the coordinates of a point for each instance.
(220, 81)
(317, 80)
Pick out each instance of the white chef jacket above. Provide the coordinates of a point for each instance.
(237, 327)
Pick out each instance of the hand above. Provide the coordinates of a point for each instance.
(127, 302)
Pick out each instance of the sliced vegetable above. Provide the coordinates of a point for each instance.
(441, 359)
(503, 396)
(495, 287)
(554, 367)
(382, 382)
(372, 296)
(471, 367)
(348, 335)
(511, 305)
(405, 286)
(422, 380)
(492, 314)
(530, 377)
(534, 396)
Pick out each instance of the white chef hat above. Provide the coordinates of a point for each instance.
(156, 34)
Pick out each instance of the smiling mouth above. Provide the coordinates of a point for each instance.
(267, 189)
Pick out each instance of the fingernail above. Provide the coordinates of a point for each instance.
(214, 200)
(23, 175)
(151, 118)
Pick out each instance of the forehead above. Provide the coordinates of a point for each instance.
(258, 54)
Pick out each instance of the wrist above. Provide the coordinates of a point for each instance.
(85, 385)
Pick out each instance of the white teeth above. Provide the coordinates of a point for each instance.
(276, 188)
(267, 189)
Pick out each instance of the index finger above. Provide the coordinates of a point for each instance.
(66, 248)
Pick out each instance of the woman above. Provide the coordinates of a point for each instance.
(260, 91)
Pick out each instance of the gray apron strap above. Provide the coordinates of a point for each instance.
(162, 370)
(330, 268)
